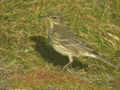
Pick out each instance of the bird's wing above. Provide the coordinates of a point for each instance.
(70, 40)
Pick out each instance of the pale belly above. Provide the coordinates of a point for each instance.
(62, 49)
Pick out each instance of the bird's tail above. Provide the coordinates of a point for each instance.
(103, 59)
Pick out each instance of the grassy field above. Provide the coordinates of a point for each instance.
(28, 62)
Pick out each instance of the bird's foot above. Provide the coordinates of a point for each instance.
(67, 68)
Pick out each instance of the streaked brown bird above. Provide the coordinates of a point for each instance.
(67, 43)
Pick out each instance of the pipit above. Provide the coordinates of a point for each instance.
(67, 43)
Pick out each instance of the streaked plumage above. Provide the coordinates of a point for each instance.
(67, 43)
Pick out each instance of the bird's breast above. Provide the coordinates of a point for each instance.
(61, 49)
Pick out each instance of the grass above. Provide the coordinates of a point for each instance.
(27, 62)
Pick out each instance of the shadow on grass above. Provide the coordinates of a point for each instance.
(50, 55)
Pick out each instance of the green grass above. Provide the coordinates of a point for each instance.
(28, 62)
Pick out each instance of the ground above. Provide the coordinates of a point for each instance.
(28, 62)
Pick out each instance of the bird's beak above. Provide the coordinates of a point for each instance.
(44, 17)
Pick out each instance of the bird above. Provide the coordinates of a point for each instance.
(67, 43)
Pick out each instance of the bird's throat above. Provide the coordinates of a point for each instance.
(52, 24)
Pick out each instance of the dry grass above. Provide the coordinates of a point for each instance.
(33, 64)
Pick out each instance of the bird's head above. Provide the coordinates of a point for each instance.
(54, 19)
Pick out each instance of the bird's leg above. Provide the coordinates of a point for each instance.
(70, 61)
